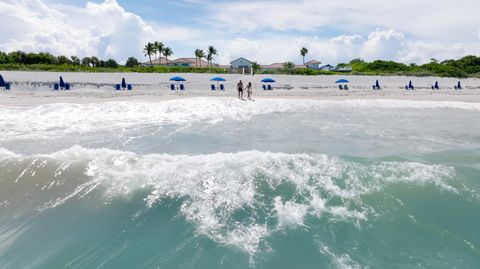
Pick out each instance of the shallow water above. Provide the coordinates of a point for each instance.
(220, 183)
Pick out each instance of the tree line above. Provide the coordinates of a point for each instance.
(45, 58)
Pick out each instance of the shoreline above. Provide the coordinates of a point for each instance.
(18, 101)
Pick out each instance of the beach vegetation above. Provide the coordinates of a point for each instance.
(132, 62)
(468, 66)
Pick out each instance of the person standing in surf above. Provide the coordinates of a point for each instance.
(249, 91)
(240, 90)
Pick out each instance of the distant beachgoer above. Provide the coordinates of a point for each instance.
(249, 91)
(240, 89)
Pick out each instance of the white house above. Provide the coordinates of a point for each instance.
(313, 64)
(241, 63)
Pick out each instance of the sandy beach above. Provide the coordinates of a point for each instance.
(33, 88)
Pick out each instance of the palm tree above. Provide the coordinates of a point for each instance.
(304, 52)
(149, 50)
(211, 52)
(199, 54)
(167, 52)
(159, 47)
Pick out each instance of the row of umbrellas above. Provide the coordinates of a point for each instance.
(218, 79)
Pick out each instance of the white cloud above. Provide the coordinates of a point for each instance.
(380, 44)
(105, 30)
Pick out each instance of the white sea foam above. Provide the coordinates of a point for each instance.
(61, 119)
(283, 188)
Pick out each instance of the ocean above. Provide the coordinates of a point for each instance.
(221, 183)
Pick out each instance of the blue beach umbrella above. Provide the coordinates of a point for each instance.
(459, 85)
(62, 83)
(410, 84)
(377, 84)
(268, 80)
(217, 79)
(342, 81)
(436, 85)
(124, 84)
(177, 79)
(2, 82)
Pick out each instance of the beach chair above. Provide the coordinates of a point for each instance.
(458, 87)
(172, 87)
(345, 87)
(264, 87)
(129, 87)
(269, 87)
(67, 86)
(222, 88)
(340, 87)
(212, 87)
(56, 87)
(117, 87)
(182, 87)
(3, 84)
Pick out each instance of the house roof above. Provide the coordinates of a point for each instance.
(241, 58)
(313, 62)
(190, 61)
(157, 61)
(274, 65)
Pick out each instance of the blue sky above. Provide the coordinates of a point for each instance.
(266, 31)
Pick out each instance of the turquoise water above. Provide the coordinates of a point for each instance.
(221, 183)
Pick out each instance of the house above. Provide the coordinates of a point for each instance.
(190, 62)
(313, 64)
(159, 61)
(272, 67)
(279, 66)
(241, 63)
(327, 67)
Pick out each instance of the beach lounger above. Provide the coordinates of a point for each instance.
(56, 87)
(269, 87)
(458, 87)
(117, 87)
(172, 87)
(182, 87)
(340, 87)
(222, 88)
(264, 87)
(129, 87)
(212, 87)
(345, 87)
(3, 84)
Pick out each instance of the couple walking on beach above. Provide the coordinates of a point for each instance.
(240, 90)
